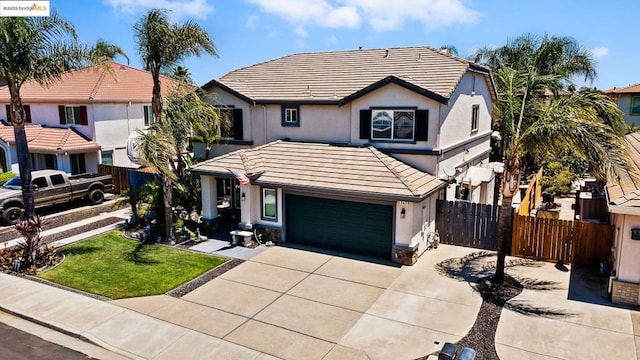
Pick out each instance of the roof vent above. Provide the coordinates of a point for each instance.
(444, 51)
(419, 57)
(386, 53)
(359, 47)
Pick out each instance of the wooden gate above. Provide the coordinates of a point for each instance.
(571, 242)
(467, 224)
(119, 175)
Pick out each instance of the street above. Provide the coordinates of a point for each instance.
(19, 345)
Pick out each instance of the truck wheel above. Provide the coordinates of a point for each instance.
(96, 196)
(12, 215)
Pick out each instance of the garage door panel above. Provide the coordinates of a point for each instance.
(340, 225)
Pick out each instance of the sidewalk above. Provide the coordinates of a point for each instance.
(122, 331)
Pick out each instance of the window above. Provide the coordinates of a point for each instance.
(269, 206)
(635, 105)
(27, 113)
(148, 115)
(232, 130)
(57, 180)
(39, 182)
(50, 161)
(77, 164)
(290, 115)
(475, 113)
(106, 157)
(73, 115)
(392, 124)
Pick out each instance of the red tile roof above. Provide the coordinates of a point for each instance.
(635, 88)
(88, 85)
(50, 140)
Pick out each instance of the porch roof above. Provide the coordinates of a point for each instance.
(350, 170)
(50, 140)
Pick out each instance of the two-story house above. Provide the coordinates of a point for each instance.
(628, 100)
(349, 150)
(82, 120)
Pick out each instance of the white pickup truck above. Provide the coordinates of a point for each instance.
(52, 187)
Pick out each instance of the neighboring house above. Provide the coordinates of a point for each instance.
(624, 207)
(628, 100)
(82, 120)
(372, 135)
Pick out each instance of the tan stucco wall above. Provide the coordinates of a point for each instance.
(627, 251)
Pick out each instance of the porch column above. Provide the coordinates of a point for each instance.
(209, 197)
(246, 201)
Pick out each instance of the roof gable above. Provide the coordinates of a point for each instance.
(341, 76)
(321, 167)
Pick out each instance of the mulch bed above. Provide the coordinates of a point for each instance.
(204, 278)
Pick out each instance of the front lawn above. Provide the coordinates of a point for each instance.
(116, 267)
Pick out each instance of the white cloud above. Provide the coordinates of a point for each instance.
(332, 40)
(301, 32)
(600, 52)
(180, 9)
(379, 15)
(252, 22)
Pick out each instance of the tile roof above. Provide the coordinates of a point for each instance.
(337, 75)
(50, 140)
(87, 85)
(351, 170)
(627, 191)
(635, 88)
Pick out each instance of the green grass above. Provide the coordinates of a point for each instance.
(116, 267)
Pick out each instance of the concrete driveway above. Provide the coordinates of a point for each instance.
(297, 304)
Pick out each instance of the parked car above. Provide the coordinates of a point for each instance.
(51, 187)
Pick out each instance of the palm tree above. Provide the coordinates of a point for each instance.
(103, 52)
(39, 49)
(586, 121)
(181, 73)
(133, 197)
(161, 46)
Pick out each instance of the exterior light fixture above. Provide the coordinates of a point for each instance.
(243, 197)
(403, 212)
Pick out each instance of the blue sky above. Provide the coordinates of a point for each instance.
(250, 31)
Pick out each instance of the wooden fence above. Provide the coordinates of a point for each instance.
(467, 224)
(119, 174)
(571, 242)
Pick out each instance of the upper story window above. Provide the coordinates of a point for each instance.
(475, 115)
(392, 124)
(73, 115)
(635, 105)
(149, 118)
(27, 113)
(233, 129)
(290, 115)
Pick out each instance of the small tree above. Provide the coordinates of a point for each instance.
(35, 253)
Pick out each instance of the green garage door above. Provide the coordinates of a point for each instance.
(348, 226)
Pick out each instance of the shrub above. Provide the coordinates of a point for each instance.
(6, 176)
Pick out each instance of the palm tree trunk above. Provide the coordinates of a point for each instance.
(504, 236)
(168, 211)
(17, 116)
(509, 184)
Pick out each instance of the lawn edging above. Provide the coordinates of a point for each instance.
(189, 286)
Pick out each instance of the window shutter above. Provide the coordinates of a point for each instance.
(237, 124)
(27, 113)
(8, 107)
(365, 124)
(422, 125)
(84, 120)
(63, 118)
